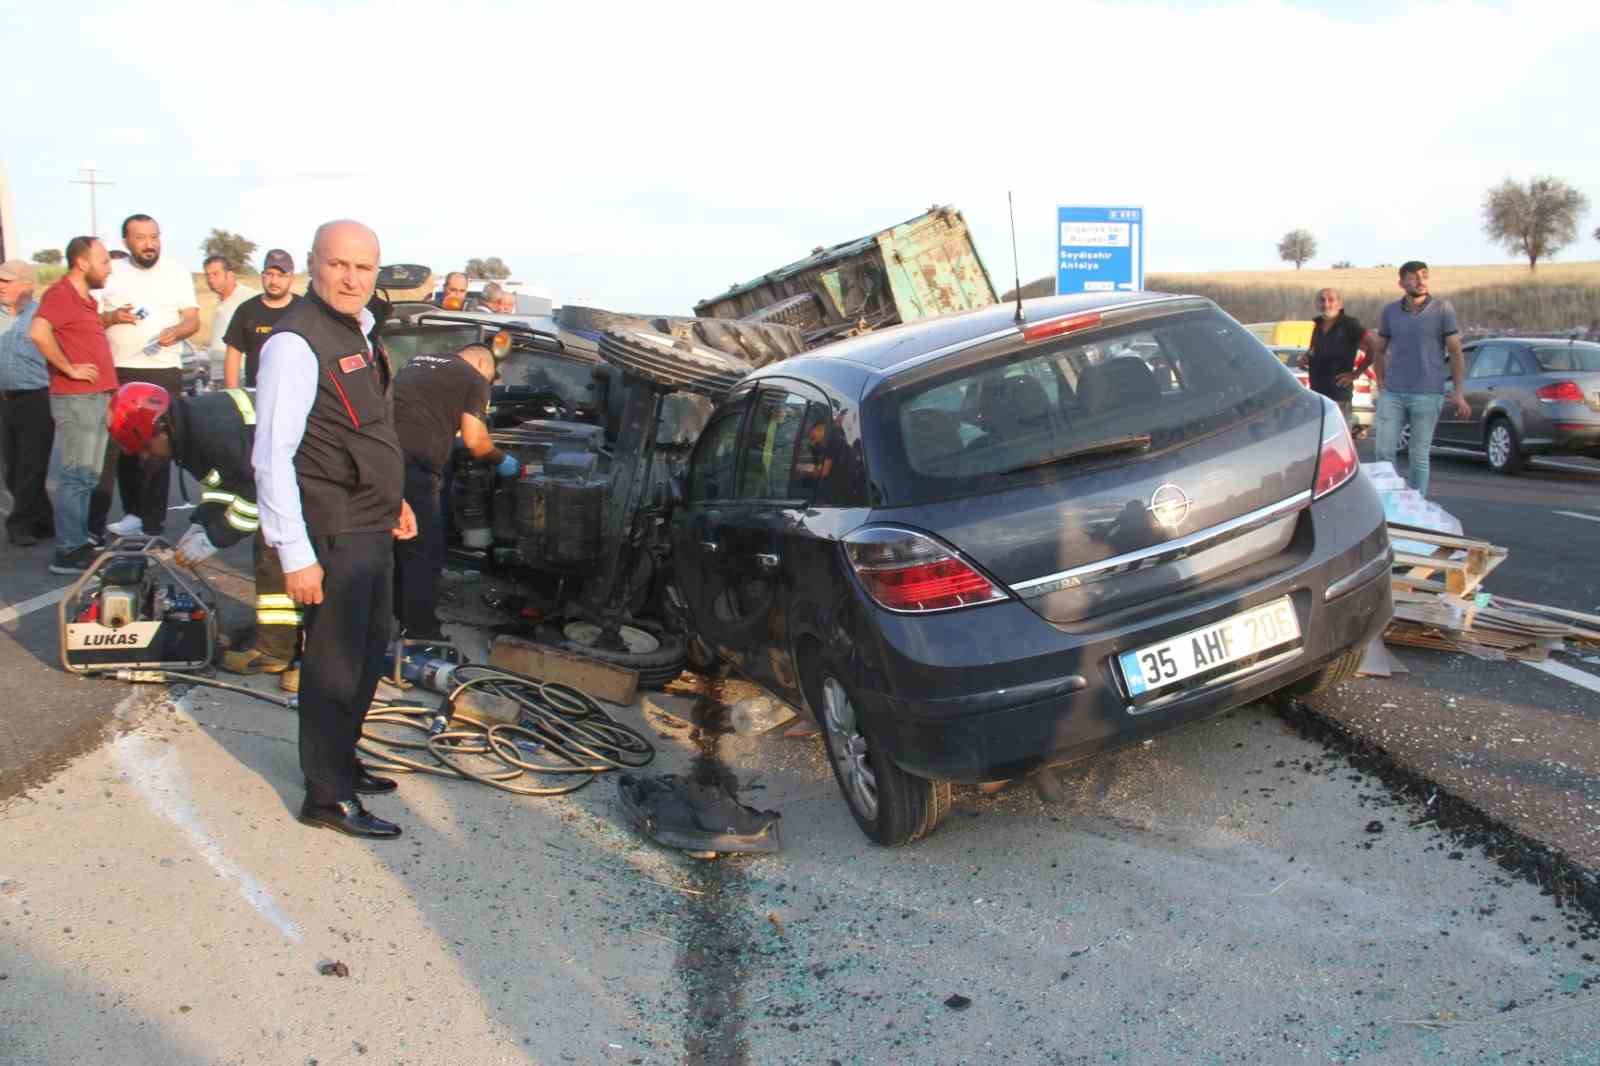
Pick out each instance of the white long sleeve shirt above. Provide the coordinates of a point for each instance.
(286, 387)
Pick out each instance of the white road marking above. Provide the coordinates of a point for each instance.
(1575, 514)
(1581, 678)
(155, 772)
(1557, 464)
(44, 599)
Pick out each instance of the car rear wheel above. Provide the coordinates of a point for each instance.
(891, 806)
(1334, 674)
(1505, 450)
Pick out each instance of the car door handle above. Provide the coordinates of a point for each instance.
(710, 547)
(767, 560)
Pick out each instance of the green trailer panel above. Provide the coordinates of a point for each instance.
(934, 268)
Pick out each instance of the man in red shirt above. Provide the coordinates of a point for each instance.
(71, 332)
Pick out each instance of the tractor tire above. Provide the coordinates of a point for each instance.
(670, 362)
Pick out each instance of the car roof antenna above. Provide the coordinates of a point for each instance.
(1015, 263)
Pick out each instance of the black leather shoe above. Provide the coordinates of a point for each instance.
(367, 785)
(348, 817)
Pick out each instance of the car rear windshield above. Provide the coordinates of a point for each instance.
(1088, 399)
(1575, 356)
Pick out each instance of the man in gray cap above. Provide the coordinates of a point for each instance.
(26, 429)
(253, 322)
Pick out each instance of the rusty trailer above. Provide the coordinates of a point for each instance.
(924, 267)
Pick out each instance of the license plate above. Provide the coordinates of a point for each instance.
(1157, 666)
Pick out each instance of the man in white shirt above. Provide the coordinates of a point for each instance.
(161, 299)
(221, 280)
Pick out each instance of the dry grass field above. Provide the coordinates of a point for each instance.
(1487, 298)
(1382, 282)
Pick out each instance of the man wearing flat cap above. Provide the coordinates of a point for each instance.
(26, 429)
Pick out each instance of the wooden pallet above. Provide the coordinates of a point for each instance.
(1454, 614)
(1466, 562)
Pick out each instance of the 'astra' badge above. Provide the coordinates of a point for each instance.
(351, 363)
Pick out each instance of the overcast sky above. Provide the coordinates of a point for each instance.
(644, 157)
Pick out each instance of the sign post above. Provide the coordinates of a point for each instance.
(1099, 249)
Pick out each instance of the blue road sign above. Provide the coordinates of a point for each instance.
(1099, 249)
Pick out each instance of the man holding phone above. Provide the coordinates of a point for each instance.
(157, 311)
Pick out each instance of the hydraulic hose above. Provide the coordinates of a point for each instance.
(561, 741)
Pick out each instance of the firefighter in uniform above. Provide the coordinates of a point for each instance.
(329, 477)
(211, 437)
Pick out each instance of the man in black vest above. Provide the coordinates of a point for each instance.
(329, 475)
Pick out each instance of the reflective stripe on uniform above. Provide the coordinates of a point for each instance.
(244, 507)
(278, 618)
(268, 600)
(242, 516)
(241, 400)
(224, 498)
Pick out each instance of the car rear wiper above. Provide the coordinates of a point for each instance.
(1134, 442)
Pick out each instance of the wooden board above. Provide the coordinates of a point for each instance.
(614, 684)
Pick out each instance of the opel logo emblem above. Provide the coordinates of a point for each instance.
(1169, 506)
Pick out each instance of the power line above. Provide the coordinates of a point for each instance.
(93, 183)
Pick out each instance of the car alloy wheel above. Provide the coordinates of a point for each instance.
(1505, 455)
(848, 749)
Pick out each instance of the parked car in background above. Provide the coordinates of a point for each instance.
(1529, 396)
(1294, 359)
(197, 370)
(975, 548)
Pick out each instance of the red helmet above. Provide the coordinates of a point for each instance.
(135, 410)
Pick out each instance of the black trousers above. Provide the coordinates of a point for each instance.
(145, 486)
(418, 562)
(27, 433)
(346, 635)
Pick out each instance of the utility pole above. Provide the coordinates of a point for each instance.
(93, 183)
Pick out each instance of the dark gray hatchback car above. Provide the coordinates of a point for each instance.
(973, 547)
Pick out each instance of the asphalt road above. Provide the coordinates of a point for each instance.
(1520, 741)
(1233, 892)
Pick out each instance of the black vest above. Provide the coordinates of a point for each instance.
(349, 464)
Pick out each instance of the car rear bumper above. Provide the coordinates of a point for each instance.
(1580, 436)
(1063, 697)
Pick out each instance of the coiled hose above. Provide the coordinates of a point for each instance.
(562, 739)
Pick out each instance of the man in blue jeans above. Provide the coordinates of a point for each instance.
(1416, 335)
(70, 332)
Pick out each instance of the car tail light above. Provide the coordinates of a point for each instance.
(906, 571)
(1560, 392)
(1337, 462)
(1056, 327)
